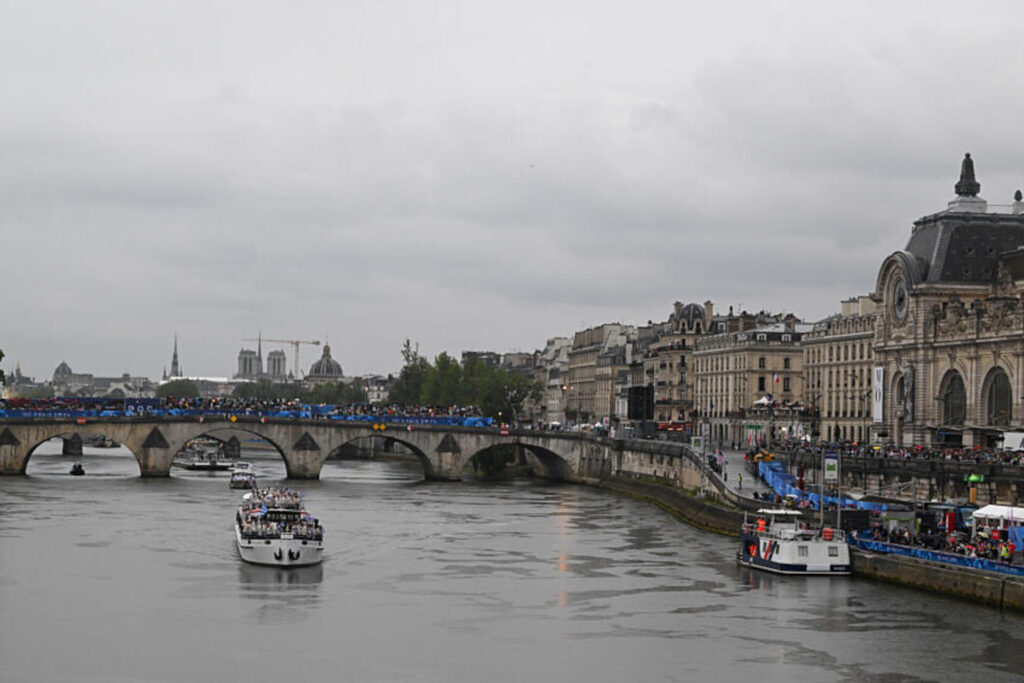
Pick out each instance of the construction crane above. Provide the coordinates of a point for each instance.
(294, 342)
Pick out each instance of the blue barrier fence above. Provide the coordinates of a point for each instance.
(305, 412)
(784, 484)
(936, 556)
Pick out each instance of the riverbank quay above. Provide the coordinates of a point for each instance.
(968, 583)
(683, 505)
(721, 511)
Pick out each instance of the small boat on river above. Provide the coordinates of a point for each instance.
(780, 542)
(77, 470)
(242, 479)
(202, 454)
(272, 528)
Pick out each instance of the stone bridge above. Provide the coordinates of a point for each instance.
(305, 445)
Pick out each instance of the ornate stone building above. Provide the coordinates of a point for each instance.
(552, 371)
(743, 379)
(949, 334)
(671, 353)
(325, 370)
(581, 391)
(838, 360)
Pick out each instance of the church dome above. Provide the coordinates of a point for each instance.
(63, 370)
(326, 366)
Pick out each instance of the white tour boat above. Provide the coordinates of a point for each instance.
(272, 528)
(778, 541)
(202, 454)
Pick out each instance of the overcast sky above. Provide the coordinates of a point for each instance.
(470, 175)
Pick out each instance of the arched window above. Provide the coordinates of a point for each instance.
(999, 402)
(954, 400)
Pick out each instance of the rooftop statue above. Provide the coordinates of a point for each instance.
(968, 186)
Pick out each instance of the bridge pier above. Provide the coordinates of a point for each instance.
(72, 445)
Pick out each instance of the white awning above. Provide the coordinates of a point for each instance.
(1000, 512)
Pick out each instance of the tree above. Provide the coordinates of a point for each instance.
(408, 388)
(503, 394)
(265, 390)
(178, 388)
(443, 382)
(335, 394)
(36, 392)
(3, 379)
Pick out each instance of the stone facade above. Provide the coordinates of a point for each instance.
(581, 389)
(949, 335)
(735, 373)
(837, 361)
(552, 371)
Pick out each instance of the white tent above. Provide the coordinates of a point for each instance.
(1000, 512)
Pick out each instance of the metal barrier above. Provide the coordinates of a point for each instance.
(937, 556)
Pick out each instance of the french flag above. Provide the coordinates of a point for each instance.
(775, 377)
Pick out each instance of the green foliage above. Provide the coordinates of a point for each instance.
(498, 393)
(334, 394)
(3, 379)
(36, 392)
(408, 388)
(443, 382)
(265, 390)
(178, 388)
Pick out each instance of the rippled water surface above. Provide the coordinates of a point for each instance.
(109, 577)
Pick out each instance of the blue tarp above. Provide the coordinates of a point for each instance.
(306, 412)
(784, 484)
(936, 556)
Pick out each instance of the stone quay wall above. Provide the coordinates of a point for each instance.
(990, 588)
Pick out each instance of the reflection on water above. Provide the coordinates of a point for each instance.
(252, 576)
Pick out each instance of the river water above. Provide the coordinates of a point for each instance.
(110, 577)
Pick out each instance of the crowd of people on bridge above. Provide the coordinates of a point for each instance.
(232, 405)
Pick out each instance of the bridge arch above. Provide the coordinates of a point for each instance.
(545, 463)
(212, 430)
(421, 456)
(69, 431)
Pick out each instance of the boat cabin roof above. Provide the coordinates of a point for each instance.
(779, 512)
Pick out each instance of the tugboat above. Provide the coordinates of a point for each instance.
(779, 542)
(272, 528)
(77, 470)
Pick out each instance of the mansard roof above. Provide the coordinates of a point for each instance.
(964, 243)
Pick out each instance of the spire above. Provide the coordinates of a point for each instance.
(967, 189)
(175, 370)
(967, 186)
(259, 353)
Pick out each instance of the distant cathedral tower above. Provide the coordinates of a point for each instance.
(175, 368)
